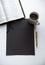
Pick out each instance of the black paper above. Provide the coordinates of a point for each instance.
(20, 38)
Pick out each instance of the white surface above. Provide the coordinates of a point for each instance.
(2, 15)
(39, 58)
(11, 9)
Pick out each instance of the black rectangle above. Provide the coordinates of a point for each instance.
(20, 38)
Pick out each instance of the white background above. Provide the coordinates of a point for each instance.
(39, 58)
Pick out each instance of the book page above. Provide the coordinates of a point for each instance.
(2, 14)
(12, 9)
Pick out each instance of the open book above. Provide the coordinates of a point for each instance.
(10, 10)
